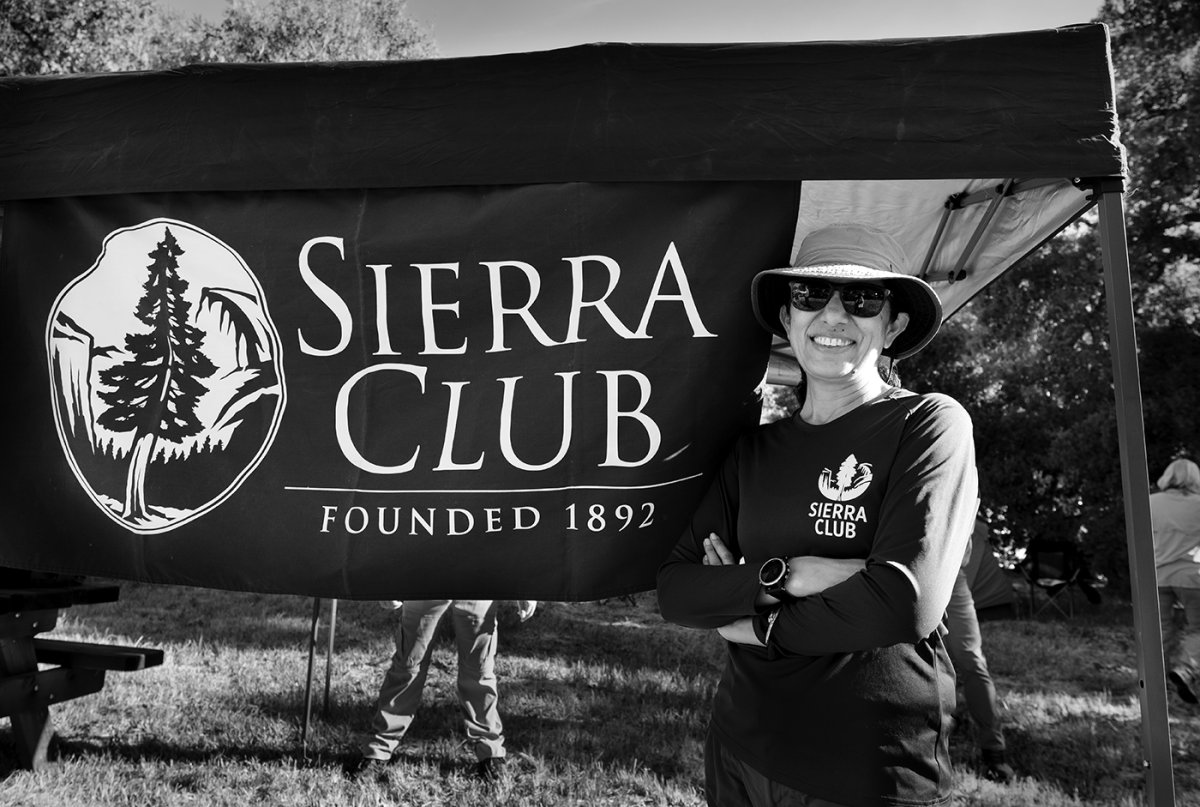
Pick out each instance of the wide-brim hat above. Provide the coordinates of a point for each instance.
(845, 253)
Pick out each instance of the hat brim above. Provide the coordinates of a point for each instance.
(769, 291)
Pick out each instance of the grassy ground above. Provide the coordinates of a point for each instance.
(604, 704)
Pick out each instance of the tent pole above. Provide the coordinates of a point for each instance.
(329, 652)
(1135, 475)
(308, 685)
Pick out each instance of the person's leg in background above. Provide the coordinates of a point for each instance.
(965, 645)
(400, 693)
(1181, 647)
(476, 633)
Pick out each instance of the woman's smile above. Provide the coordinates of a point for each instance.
(832, 341)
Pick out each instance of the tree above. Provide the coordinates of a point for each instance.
(1029, 359)
(41, 37)
(154, 392)
(1030, 356)
(313, 30)
(1156, 56)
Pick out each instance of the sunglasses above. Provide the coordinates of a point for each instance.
(859, 299)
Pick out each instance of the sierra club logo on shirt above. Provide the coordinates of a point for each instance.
(834, 517)
(852, 480)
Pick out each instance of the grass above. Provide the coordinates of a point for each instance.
(603, 703)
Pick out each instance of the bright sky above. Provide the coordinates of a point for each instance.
(479, 27)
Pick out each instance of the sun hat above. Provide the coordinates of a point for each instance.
(848, 252)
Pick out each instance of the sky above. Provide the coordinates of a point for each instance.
(482, 27)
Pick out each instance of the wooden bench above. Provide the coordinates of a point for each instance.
(29, 606)
(95, 656)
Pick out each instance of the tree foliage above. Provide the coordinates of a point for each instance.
(1030, 356)
(313, 30)
(39, 37)
(43, 37)
(1155, 48)
(1030, 359)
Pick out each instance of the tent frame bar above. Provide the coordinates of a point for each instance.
(993, 195)
(1010, 187)
(998, 195)
(1135, 476)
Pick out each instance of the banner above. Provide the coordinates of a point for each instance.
(509, 391)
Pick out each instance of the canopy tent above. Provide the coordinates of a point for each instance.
(991, 589)
(662, 177)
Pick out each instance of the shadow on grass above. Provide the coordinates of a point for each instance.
(1087, 757)
(599, 736)
(1083, 755)
(581, 684)
(155, 750)
(564, 722)
(147, 749)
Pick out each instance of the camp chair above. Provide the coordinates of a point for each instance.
(1054, 568)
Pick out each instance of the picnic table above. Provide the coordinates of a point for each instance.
(29, 606)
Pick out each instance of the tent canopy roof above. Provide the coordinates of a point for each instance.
(968, 149)
(1018, 106)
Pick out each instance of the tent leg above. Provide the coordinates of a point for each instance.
(1135, 475)
(308, 694)
(329, 653)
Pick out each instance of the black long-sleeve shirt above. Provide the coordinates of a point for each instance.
(851, 699)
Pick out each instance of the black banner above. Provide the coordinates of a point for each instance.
(510, 391)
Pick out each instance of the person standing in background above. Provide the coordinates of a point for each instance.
(475, 634)
(965, 645)
(1175, 517)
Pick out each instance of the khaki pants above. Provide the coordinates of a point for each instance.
(475, 636)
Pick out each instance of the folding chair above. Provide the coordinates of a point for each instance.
(1054, 568)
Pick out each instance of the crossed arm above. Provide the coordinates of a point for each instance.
(809, 575)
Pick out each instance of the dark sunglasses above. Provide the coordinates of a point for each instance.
(859, 299)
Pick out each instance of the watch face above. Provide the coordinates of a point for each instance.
(772, 571)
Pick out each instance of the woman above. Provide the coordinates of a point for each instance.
(826, 549)
(1175, 516)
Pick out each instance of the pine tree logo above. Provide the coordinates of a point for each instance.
(166, 374)
(852, 480)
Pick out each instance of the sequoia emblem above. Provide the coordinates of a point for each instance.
(852, 480)
(166, 374)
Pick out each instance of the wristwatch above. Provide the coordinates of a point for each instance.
(773, 576)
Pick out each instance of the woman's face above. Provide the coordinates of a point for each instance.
(831, 344)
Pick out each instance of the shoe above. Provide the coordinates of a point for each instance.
(996, 767)
(1183, 684)
(366, 767)
(492, 769)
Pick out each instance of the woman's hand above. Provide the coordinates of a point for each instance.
(716, 553)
